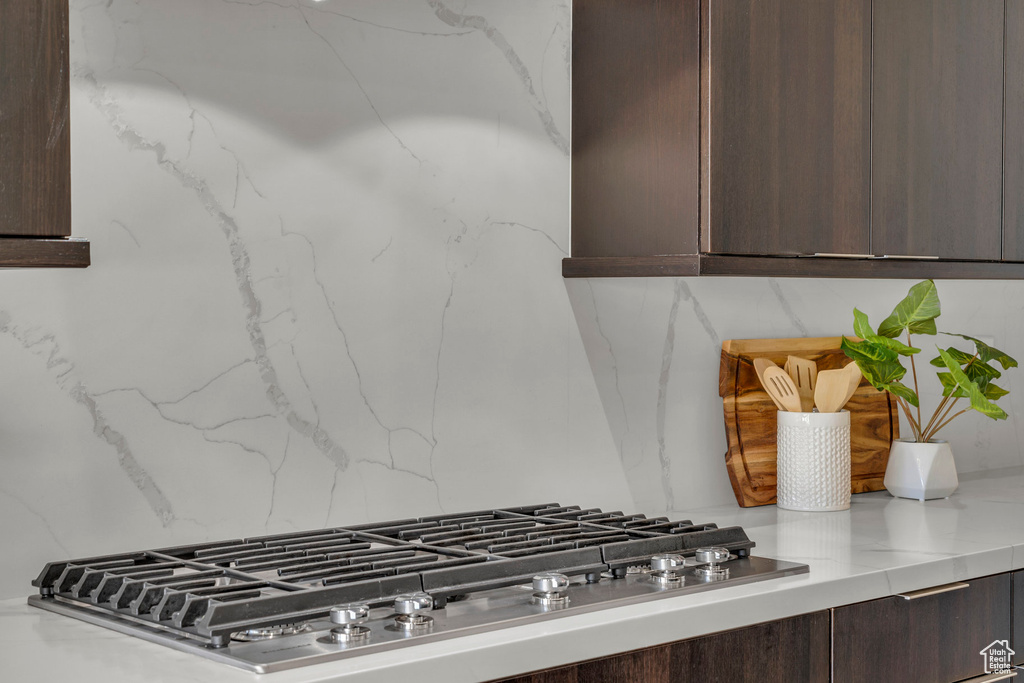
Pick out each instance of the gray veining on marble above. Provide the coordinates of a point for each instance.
(325, 282)
(688, 448)
(326, 289)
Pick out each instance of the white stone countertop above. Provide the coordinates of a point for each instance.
(880, 547)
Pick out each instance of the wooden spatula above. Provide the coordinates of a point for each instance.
(760, 365)
(804, 374)
(781, 388)
(830, 392)
(853, 374)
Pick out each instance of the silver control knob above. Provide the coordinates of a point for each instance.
(352, 613)
(712, 557)
(410, 608)
(666, 563)
(663, 568)
(549, 587)
(350, 616)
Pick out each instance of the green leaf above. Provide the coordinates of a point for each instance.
(994, 393)
(881, 374)
(904, 392)
(867, 351)
(949, 385)
(976, 370)
(916, 313)
(894, 344)
(976, 394)
(987, 353)
(861, 326)
(958, 355)
(981, 372)
(879, 364)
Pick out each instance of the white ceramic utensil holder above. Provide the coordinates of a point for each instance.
(813, 461)
(923, 471)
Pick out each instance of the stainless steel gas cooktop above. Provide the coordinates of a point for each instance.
(276, 602)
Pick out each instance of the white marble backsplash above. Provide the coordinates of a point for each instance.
(326, 289)
(326, 282)
(654, 346)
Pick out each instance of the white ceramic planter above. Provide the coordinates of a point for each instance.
(923, 471)
(813, 461)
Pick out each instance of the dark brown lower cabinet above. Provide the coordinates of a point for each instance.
(931, 636)
(1018, 617)
(792, 650)
(934, 635)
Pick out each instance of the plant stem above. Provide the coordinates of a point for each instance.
(929, 431)
(914, 426)
(913, 367)
(938, 411)
(949, 420)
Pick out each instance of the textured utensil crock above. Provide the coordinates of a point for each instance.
(813, 461)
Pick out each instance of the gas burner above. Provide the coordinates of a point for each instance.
(276, 602)
(251, 635)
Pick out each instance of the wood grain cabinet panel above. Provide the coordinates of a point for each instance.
(936, 150)
(635, 117)
(1018, 617)
(792, 650)
(786, 126)
(932, 639)
(35, 152)
(1013, 133)
(35, 138)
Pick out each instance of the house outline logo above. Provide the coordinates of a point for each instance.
(998, 656)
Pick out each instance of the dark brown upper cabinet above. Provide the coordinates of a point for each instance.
(814, 138)
(786, 127)
(35, 142)
(635, 68)
(1013, 132)
(937, 128)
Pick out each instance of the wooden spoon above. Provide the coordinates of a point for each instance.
(804, 374)
(760, 365)
(853, 374)
(781, 388)
(830, 392)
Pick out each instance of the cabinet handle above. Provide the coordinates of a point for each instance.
(991, 678)
(924, 593)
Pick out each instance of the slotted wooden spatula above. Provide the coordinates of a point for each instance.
(804, 374)
(781, 388)
(760, 365)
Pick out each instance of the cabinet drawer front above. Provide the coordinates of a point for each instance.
(793, 650)
(928, 636)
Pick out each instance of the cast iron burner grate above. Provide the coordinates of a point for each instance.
(272, 586)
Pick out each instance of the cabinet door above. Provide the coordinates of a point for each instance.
(936, 127)
(35, 156)
(786, 126)
(930, 638)
(1018, 617)
(788, 651)
(1013, 133)
(635, 115)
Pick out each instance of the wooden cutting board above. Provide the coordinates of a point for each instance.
(750, 417)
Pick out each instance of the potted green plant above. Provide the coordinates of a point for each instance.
(922, 467)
